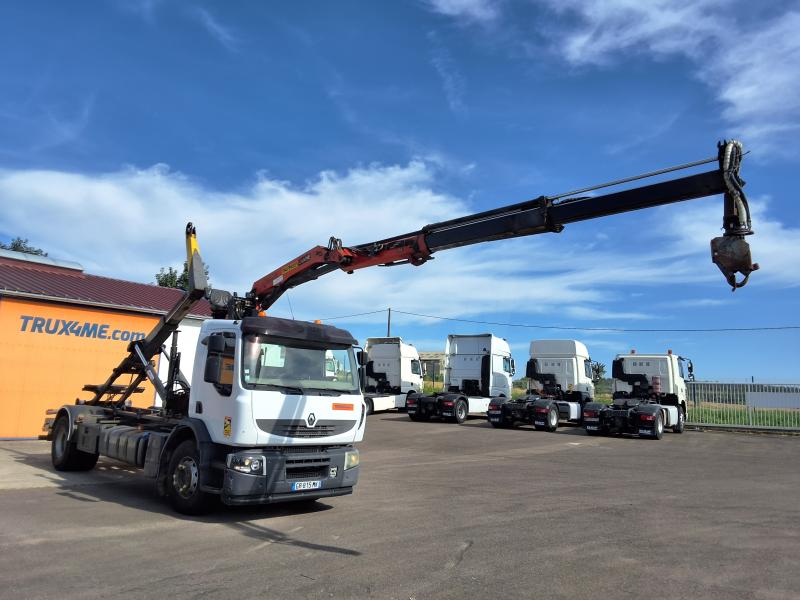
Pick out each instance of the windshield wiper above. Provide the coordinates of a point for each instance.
(286, 389)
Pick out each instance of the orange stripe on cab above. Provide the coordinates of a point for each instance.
(337, 406)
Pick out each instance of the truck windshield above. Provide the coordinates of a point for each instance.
(269, 364)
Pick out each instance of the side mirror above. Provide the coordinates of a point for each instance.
(424, 368)
(530, 369)
(216, 344)
(690, 368)
(361, 356)
(513, 367)
(219, 370)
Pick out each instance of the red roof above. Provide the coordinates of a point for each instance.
(22, 277)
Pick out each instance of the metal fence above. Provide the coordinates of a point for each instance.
(758, 405)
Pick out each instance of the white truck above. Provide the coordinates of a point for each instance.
(270, 412)
(649, 396)
(560, 383)
(392, 371)
(477, 370)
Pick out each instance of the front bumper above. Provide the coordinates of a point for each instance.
(282, 470)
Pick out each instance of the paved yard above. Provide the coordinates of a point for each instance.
(441, 511)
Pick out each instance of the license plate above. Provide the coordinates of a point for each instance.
(299, 486)
(645, 432)
(592, 427)
(538, 422)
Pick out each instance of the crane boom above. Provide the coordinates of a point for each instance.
(730, 253)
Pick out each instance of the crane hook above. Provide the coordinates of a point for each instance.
(730, 252)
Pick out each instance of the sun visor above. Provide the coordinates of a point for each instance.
(298, 330)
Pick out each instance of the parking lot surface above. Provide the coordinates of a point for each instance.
(441, 511)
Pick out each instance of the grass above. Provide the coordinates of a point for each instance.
(726, 414)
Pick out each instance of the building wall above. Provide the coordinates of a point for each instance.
(48, 351)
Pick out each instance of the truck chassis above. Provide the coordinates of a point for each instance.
(645, 417)
(542, 412)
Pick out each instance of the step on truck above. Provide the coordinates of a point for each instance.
(260, 417)
(560, 383)
(649, 396)
(477, 370)
(392, 371)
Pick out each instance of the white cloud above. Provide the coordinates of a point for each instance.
(752, 64)
(472, 10)
(452, 80)
(129, 223)
(750, 61)
(224, 35)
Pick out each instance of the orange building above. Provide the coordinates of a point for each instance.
(61, 328)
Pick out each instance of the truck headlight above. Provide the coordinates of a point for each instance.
(247, 463)
(351, 459)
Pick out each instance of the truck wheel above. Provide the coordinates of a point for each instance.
(681, 421)
(658, 427)
(370, 406)
(460, 411)
(183, 483)
(64, 452)
(552, 419)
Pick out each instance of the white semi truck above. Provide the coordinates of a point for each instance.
(649, 396)
(477, 370)
(560, 383)
(392, 371)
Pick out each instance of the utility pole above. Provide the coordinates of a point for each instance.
(389, 323)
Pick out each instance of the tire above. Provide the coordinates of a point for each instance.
(183, 481)
(64, 452)
(414, 417)
(658, 426)
(681, 425)
(460, 411)
(552, 419)
(370, 406)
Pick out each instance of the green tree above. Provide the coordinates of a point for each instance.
(169, 277)
(20, 245)
(598, 370)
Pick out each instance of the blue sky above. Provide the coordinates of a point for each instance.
(273, 126)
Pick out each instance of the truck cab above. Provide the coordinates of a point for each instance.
(649, 396)
(560, 383)
(272, 414)
(392, 371)
(477, 369)
(267, 381)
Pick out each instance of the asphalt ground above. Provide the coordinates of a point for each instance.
(441, 511)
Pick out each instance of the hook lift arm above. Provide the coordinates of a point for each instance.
(730, 252)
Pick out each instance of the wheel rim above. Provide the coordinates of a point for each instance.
(60, 442)
(553, 418)
(185, 477)
(659, 426)
(462, 412)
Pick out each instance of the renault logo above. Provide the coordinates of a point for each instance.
(311, 419)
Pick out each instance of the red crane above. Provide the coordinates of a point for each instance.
(730, 252)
